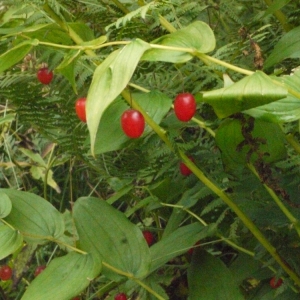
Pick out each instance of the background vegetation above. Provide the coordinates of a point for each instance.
(247, 160)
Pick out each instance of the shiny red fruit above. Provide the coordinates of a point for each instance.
(44, 75)
(121, 296)
(5, 273)
(132, 123)
(185, 106)
(184, 170)
(76, 298)
(149, 237)
(39, 270)
(80, 109)
(275, 282)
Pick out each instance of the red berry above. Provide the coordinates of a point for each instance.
(191, 250)
(149, 237)
(39, 270)
(80, 109)
(44, 75)
(133, 123)
(184, 170)
(275, 283)
(121, 296)
(5, 273)
(185, 106)
(76, 298)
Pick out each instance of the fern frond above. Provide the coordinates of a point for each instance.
(212, 206)
(140, 12)
(233, 229)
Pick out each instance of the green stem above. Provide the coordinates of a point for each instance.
(203, 125)
(167, 25)
(209, 59)
(73, 35)
(290, 138)
(279, 203)
(130, 276)
(147, 288)
(200, 175)
(121, 7)
(226, 240)
(280, 17)
(159, 131)
(7, 224)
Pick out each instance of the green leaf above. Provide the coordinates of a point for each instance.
(5, 205)
(196, 36)
(33, 216)
(68, 59)
(111, 237)
(14, 55)
(155, 103)
(64, 278)
(14, 31)
(68, 71)
(35, 157)
(95, 42)
(109, 80)
(210, 279)
(284, 110)
(244, 267)
(7, 119)
(287, 47)
(141, 11)
(51, 33)
(110, 136)
(229, 136)
(41, 173)
(276, 5)
(169, 247)
(252, 91)
(83, 30)
(10, 241)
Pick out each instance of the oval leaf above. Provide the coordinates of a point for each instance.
(229, 136)
(109, 79)
(110, 136)
(210, 279)
(252, 91)
(111, 237)
(64, 278)
(169, 247)
(14, 55)
(287, 47)
(33, 216)
(196, 36)
(5, 205)
(10, 241)
(284, 110)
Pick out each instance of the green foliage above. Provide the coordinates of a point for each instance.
(82, 215)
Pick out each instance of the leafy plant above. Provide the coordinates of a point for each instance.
(78, 198)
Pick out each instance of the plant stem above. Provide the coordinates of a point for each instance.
(167, 25)
(209, 59)
(130, 276)
(159, 131)
(73, 35)
(279, 203)
(290, 138)
(218, 191)
(226, 240)
(280, 17)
